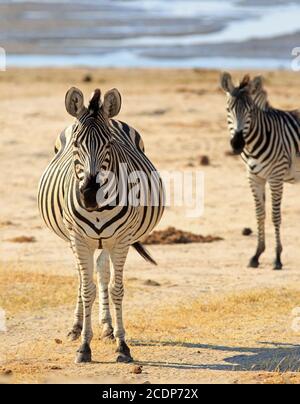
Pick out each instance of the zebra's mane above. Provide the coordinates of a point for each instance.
(95, 103)
(261, 100)
(296, 114)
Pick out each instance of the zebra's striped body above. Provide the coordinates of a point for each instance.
(261, 99)
(70, 205)
(59, 176)
(269, 143)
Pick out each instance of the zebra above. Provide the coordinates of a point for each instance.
(75, 202)
(268, 141)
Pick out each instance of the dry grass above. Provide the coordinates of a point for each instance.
(252, 329)
(27, 291)
(236, 317)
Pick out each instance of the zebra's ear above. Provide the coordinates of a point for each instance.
(74, 102)
(226, 83)
(256, 85)
(112, 103)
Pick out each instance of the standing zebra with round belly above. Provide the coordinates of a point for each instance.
(268, 141)
(100, 192)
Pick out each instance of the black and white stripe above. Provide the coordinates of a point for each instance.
(268, 140)
(79, 203)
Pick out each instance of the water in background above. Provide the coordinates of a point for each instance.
(150, 33)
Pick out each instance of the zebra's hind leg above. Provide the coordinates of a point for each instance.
(103, 271)
(84, 258)
(276, 186)
(118, 256)
(75, 332)
(258, 187)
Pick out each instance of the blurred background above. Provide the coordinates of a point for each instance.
(150, 33)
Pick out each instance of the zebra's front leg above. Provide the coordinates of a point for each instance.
(258, 187)
(118, 256)
(76, 330)
(84, 258)
(103, 271)
(277, 192)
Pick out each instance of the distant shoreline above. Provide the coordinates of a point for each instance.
(86, 61)
(249, 34)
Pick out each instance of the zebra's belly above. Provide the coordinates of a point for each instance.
(51, 211)
(51, 200)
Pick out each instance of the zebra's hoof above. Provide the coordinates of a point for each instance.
(278, 266)
(74, 334)
(122, 358)
(108, 336)
(124, 355)
(254, 263)
(84, 354)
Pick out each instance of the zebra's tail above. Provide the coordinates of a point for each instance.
(144, 253)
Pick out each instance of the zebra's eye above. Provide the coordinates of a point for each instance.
(78, 170)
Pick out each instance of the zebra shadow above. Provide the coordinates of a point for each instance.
(277, 357)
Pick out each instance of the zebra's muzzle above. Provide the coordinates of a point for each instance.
(88, 194)
(238, 142)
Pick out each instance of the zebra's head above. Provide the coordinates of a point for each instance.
(91, 139)
(240, 107)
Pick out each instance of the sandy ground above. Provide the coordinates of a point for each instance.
(210, 319)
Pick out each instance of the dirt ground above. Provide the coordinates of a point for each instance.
(203, 317)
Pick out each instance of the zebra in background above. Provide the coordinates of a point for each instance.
(82, 206)
(268, 140)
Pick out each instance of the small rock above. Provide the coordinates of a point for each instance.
(55, 367)
(247, 232)
(58, 341)
(160, 111)
(150, 282)
(7, 372)
(87, 78)
(204, 161)
(6, 223)
(137, 370)
(230, 153)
